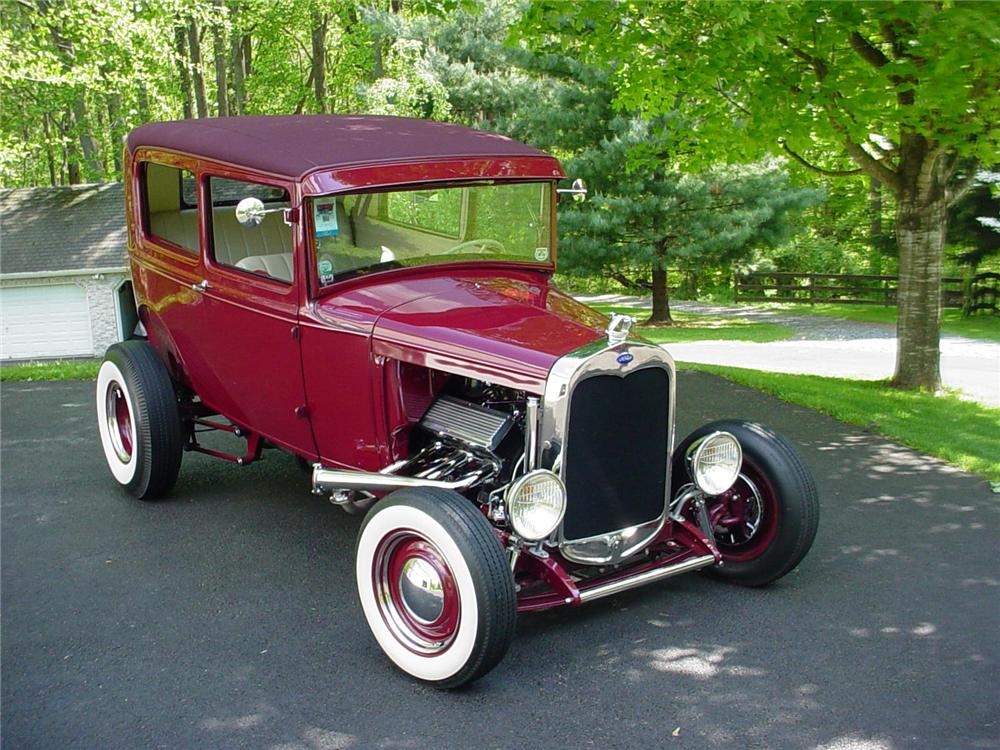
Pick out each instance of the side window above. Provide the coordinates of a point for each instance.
(263, 249)
(170, 205)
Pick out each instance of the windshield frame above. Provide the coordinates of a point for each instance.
(318, 289)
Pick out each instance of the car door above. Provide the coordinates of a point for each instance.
(250, 368)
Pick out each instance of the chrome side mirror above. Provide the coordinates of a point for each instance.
(578, 190)
(250, 212)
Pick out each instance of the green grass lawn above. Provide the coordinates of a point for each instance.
(691, 327)
(77, 369)
(963, 433)
(976, 326)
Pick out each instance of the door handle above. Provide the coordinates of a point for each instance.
(201, 286)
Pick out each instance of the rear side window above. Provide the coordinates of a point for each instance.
(170, 205)
(262, 249)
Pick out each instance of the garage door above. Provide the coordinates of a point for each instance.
(45, 321)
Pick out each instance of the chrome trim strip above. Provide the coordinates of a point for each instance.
(531, 435)
(601, 358)
(649, 576)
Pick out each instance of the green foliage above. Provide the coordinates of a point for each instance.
(649, 217)
(76, 76)
(974, 222)
(751, 73)
(963, 433)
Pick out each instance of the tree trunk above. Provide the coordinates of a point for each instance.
(921, 226)
(183, 74)
(48, 149)
(247, 56)
(661, 298)
(114, 128)
(875, 224)
(194, 45)
(377, 68)
(73, 176)
(219, 52)
(319, 59)
(239, 74)
(87, 143)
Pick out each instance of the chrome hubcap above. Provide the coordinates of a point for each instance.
(119, 423)
(421, 590)
(416, 592)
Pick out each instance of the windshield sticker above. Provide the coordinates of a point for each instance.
(541, 254)
(325, 268)
(325, 218)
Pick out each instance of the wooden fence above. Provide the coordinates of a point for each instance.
(853, 289)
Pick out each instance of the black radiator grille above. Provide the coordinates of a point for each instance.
(616, 452)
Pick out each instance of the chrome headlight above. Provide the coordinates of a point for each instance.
(715, 462)
(536, 503)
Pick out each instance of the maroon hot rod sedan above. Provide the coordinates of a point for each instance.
(374, 296)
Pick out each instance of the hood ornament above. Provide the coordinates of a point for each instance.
(618, 328)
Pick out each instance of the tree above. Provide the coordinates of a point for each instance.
(642, 220)
(974, 222)
(906, 92)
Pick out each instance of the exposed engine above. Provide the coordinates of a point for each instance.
(471, 429)
(451, 432)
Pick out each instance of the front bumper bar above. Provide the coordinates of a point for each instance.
(641, 579)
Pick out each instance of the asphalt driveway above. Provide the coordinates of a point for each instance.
(227, 617)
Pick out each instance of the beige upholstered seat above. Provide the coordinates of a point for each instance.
(234, 242)
(179, 227)
(264, 248)
(277, 266)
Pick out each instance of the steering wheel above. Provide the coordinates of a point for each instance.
(483, 245)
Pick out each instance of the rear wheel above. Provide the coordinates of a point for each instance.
(138, 421)
(435, 586)
(766, 522)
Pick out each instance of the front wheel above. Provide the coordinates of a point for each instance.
(766, 522)
(435, 586)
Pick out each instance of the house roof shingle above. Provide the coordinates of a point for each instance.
(79, 227)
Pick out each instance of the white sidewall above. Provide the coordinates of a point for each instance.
(123, 472)
(435, 667)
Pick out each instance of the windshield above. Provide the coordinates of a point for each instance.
(368, 232)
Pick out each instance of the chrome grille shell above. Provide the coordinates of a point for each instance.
(600, 358)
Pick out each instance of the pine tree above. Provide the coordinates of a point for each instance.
(645, 213)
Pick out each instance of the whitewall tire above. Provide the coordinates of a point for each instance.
(435, 586)
(138, 421)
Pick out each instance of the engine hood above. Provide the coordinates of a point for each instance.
(506, 329)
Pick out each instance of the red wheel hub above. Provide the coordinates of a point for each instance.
(416, 592)
(745, 517)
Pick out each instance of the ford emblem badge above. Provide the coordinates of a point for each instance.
(624, 359)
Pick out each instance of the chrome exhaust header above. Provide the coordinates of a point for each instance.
(331, 480)
(431, 467)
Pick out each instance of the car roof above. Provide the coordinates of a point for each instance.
(294, 145)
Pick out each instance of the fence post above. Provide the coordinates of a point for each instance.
(812, 292)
